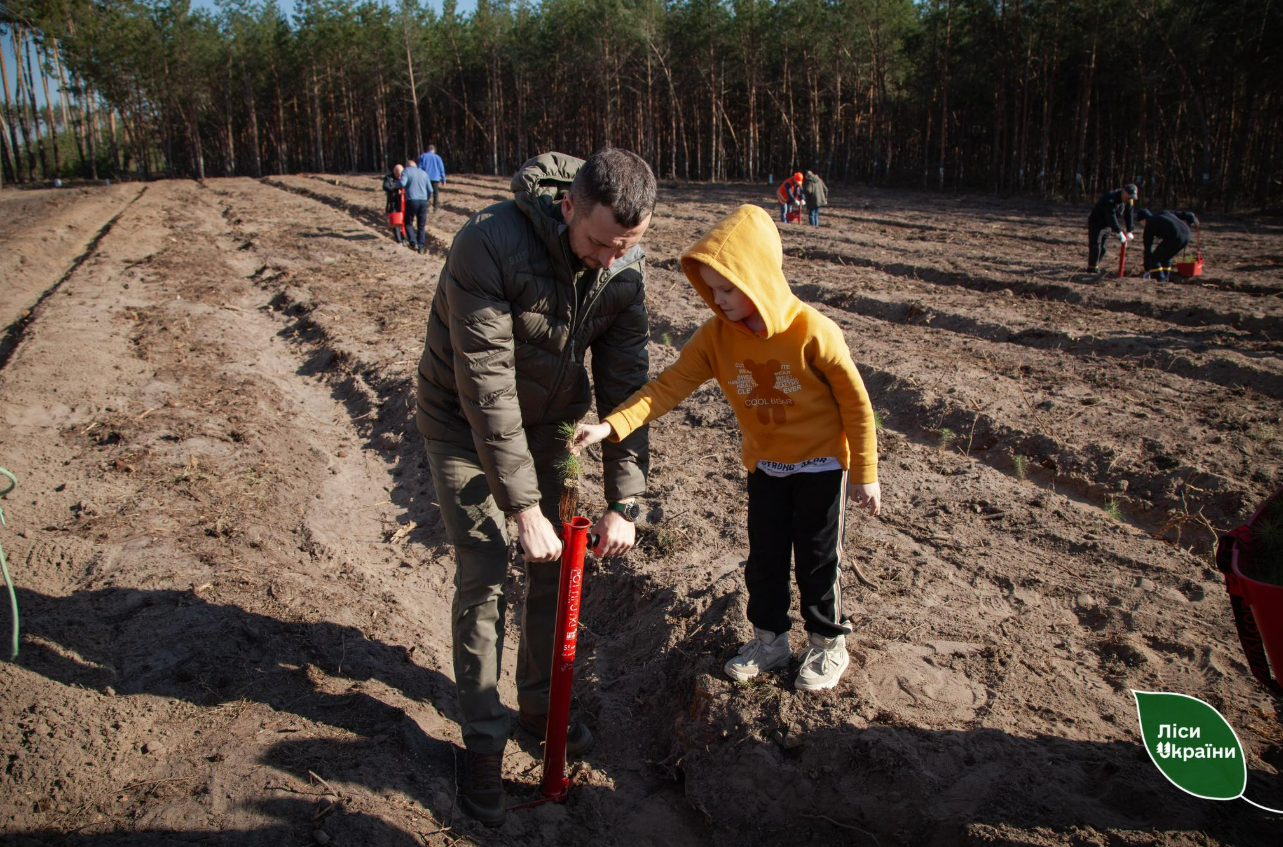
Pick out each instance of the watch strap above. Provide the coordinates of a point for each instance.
(630, 511)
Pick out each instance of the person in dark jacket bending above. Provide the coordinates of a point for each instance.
(1111, 214)
(1173, 236)
(529, 287)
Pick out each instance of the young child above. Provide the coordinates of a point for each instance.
(806, 423)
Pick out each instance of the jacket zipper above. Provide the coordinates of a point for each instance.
(575, 319)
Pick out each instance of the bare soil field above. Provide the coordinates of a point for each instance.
(235, 587)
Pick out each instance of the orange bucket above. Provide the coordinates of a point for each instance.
(1188, 268)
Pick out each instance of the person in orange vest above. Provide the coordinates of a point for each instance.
(789, 194)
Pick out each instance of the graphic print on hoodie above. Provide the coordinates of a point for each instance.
(793, 387)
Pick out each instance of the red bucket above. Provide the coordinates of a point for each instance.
(1194, 268)
(1257, 606)
(396, 218)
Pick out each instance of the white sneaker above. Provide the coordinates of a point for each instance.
(764, 652)
(823, 663)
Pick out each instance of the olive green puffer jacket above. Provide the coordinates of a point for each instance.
(514, 313)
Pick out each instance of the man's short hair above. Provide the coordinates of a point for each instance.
(619, 179)
(410, 163)
(432, 148)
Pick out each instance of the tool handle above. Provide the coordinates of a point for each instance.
(593, 541)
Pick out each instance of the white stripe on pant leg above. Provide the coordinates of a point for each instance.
(837, 575)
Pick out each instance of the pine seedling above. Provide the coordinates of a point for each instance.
(1114, 509)
(947, 437)
(568, 468)
(1021, 465)
(879, 420)
(667, 338)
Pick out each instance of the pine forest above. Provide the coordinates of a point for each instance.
(1056, 98)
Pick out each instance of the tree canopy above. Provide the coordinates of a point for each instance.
(1056, 97)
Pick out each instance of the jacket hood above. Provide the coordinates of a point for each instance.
(538, 187)
(745, 248)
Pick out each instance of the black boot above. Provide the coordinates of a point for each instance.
(481, 789)
(579, 739)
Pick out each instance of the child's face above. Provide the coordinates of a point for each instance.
(733, 302)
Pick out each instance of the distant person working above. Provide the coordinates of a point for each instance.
(435, 168)
(1112, 213)
(791, 198)
(395, 206)
(816, 194)
(418, 188)
(1171, 232)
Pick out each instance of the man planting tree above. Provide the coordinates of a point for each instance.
(531, 284)
(1111, 217)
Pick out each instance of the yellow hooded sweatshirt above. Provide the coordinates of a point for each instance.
(794, 388)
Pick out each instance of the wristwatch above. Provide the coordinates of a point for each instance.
(630, 511)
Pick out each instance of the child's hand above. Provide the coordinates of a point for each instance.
(867, 495)
(590, 434)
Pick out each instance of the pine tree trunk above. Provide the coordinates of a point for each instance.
(66, 115)
(10, 115)
(414, 91)
(1087, 78)
(944, 92)
(33, 111)
(87, 113)
(53, 124)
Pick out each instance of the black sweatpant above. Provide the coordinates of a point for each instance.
(1160, 256)
(798, 517)
(436, 195)
(1098, 238)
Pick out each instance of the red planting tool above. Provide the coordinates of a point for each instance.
(555, 783)
(1122, 260)
(576, 543)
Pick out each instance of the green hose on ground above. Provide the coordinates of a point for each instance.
(4, 566)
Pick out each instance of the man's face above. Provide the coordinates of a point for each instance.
(398, 170)
(596, 237)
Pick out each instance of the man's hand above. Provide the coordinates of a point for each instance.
(1130, 236)
(617, 533)
(590, 434)
(1122, 238)
(538, 539)
(866, 495)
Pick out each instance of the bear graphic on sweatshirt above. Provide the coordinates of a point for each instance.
(766, 395)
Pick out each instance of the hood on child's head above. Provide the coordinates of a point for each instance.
(745, 248)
